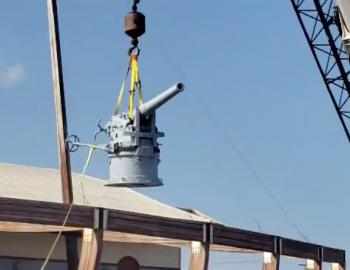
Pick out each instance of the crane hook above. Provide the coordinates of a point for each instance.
(135, 26)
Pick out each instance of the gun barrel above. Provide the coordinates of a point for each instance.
(153, 104)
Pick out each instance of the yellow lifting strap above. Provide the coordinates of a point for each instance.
(135, 85)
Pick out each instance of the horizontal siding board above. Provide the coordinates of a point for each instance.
(300, 249)
(333, 255)
(243, 239)
(45, 213)
(155, 226)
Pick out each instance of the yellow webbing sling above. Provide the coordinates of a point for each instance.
(135, 85)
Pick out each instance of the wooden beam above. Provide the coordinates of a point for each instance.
(199, 256)
(49, 213)
(299, 249)
(338, 266)
(61, 124)
(60, 105)
(227, 236)
(271, 261)
(91, 249)
(313, 265)
(333, 255)
(45, 213)
(155, 226)
(16, 227)
(120, 237)
(219, 248)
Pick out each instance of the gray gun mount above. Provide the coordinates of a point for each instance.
(133, 149)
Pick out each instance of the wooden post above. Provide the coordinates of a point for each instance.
(61, 123)
(61, 118)
(313, 265)
(338, 266)
(271, 261)
(199, 256)
(91, 249)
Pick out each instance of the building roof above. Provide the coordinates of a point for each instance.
(42, 184)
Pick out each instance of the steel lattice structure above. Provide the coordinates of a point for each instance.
(318, 19)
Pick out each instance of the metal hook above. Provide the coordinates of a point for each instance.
(133, 48)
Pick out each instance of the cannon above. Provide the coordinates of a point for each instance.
(133, 148)
(152, 105)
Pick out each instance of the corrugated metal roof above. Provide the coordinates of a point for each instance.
(42, 184)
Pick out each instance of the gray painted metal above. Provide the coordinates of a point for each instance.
(150, 106)
(344, 8)
(133, 149)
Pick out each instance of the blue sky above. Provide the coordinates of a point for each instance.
(250, 81)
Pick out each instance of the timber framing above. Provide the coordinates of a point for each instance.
(49, 213)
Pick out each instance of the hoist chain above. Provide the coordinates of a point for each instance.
(134, 6)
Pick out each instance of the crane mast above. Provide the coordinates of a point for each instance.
(319, 20)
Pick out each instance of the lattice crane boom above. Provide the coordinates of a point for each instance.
(319, 20)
